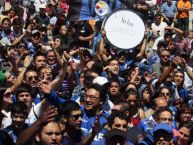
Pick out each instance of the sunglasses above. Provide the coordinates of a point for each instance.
(76, 117)
(165, 94)
(167, 56)
(33, 78)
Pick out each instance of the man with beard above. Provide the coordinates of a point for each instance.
(50, 134)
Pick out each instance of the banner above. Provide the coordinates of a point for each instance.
(85, 9)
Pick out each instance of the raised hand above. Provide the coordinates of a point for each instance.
(49, 115)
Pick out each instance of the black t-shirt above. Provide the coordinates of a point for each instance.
(84, 30)
(5, 139)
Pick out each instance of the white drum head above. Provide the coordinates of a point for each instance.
(124, 29)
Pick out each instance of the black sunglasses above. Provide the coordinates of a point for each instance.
(33, 77)
(75, 117)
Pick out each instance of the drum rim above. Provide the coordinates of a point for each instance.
(106, 18)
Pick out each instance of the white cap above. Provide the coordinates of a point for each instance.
(100, 80)
(42, 6)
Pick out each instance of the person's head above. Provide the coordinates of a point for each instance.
(164, 115)
(82, 77)
(145, 93)
(19, 114)
(94, 98)
(31, 78)
(185, 113)
(179, 78)
(162, 134)
(165, 55)
(17, 24)
(45, 73)
(159, 103)
(8, 95)
(23, 94)
(164, 92)
(113, 66)
(169, 2)
(57, 41)
(63, 30)
(118, 120)
(50, 134)
(51, 58)
(115, 137)
(71, 114)
(114, 87)
(157, 18)
(186, 133)
(132, 73)
(131, 86)
(39, 60)
(35, 37)
(6, 25)
(122, 57)
(122, 107)
(131, 96)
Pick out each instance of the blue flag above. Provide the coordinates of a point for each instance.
(85, 9)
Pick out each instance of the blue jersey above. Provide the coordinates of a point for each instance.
(88, 122)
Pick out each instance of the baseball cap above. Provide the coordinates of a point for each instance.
(164, 127)
(42, 6)
(35, 32)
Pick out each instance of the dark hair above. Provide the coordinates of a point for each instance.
(164, 87)
(18, 21)
(185, 108)
(67, 107)
(38, 54)
(6, 19)
(29, 70)
(97, 67)
(129, 92)
(100, 89)
(59, 37)
(3, 88)
(124, 106)
(111, 59)
(162, 109)
(23, 88)
(115, 114)
(20, 108)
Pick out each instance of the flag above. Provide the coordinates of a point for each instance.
(85, 9)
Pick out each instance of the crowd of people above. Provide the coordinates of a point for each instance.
(62, 83)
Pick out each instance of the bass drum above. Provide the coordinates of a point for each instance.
(124, 29)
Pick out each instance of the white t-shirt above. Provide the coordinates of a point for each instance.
(161, 27)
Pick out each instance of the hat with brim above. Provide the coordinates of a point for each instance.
(163, 127)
